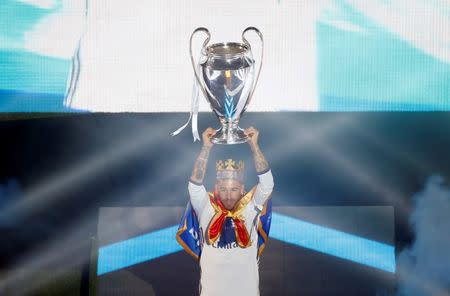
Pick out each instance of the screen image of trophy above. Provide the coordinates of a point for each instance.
(227, 75)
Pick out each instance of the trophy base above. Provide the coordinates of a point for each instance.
(228, 136)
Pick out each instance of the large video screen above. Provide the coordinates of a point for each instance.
(111, 56)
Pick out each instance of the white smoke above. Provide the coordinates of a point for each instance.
(424, 268)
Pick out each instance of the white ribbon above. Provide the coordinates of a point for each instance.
(193, 114)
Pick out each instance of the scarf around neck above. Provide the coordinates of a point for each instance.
(220, 224)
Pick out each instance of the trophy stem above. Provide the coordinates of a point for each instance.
(229, 133)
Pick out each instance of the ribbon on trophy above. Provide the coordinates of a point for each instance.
(193, 115)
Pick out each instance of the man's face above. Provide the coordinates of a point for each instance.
(230, 192)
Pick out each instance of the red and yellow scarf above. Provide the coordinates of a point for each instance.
(221, 213)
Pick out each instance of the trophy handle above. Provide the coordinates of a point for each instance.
(194, 65)
(261, 57)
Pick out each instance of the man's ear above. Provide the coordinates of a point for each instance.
(242, 189)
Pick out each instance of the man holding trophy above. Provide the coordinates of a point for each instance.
(227, 229)
(229, 221)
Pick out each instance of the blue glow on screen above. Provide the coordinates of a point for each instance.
(29, 81)
(333, 242)
(364, 65)
(138, 249)
(376, 72)
(18, 18)
(27, 72)
(284, 228)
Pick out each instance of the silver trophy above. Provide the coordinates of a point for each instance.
(227, 76)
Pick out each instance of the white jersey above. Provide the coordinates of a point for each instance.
(230, 269)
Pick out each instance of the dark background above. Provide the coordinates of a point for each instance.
(56, 172)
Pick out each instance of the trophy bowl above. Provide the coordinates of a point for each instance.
(227, 76)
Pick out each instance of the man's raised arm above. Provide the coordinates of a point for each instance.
(265, 185)
(198, 173)
(197, 191)
(261, 163)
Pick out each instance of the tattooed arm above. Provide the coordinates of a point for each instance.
(197, 192)
(261, 164)
(198, 173)
(265, 185)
